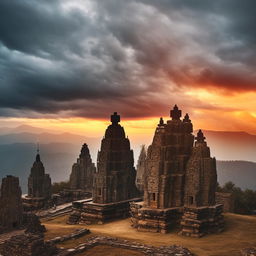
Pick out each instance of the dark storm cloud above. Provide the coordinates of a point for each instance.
(88, 58)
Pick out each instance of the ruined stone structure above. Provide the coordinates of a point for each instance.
(141, 167)
(227, 200)
(114, 182)
(27, 245)
(11, 211)
(39, 183)
(178, 176)
(201, 214)
(39, 187)
(81, 177)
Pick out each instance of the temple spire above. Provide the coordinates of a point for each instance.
(200, 137)
(37, 155)
(115, 118)
(175, 113)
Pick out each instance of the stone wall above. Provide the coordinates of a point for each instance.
(226, 199)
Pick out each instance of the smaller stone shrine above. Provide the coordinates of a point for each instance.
(141, 167)
(114, 182)
(11, 211)
(201, 213)
(39, 187)
(81, 177)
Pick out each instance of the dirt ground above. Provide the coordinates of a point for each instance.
(240, 232)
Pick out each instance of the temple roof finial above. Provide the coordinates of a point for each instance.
(37, 155)
(200, 136)
(115, 118)
(161, 122)
(175, 113)
(186, 118)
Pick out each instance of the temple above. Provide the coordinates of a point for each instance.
(39, 186)
(11, 211)
(141, 167)
(114, 182)
(173, 180)
(201, 213)
(81, 177)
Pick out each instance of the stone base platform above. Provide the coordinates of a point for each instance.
(154, 220)
(35, 203)
(199, 221)
(91, 213)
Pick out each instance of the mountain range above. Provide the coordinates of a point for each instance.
(60, 150)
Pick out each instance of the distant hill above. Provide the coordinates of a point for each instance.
(242, 173)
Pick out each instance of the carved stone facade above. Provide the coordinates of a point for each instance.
(141, 167)
(81, 177)
(114, 182)
(178, 175)
(39, 183)
(11, 211)
(201, 214)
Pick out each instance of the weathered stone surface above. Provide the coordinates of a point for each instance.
(33, 224)
(76, 234)
(114, 180)
(248, 252)
(39, 183)
(141, 167)
(167, 157)
(82, 171)
(172, 250)
(11, 211)
(178, 173)
(226, 199)
(27, 245)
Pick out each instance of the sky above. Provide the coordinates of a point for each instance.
(68, 64)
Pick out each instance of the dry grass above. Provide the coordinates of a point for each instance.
(240, 232)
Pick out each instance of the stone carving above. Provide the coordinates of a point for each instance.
(180, 178)
(39, 183)
(114, 180)
(141, 167)
(82, 171)
(11, 211)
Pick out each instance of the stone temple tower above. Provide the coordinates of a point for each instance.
(39, 183)
(180, 180)
(141, 168)
(114, 180)
(11, 210)
(166, 162)
(201, 214)
(82, 171)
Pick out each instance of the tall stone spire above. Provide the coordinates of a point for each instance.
(10, 204)
(141, 168)
(115, 177)
(39, 183)
(83, 170)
